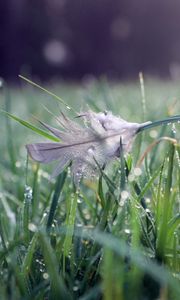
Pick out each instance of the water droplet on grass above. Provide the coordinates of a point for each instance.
(148, 200)
(131, 177)
(153, 134)
(32, 227)
(79, 200)
(45, 276)
(122, 202)
(124, 195)
(28, 193)
(18, 164)
(173, 129)
(137, 172)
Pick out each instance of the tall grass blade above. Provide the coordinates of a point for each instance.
(112, 273)
(32, 127)
(47, 91)
(100, 191)
(70, 222)
(58, 189)
(58, 289)
(159, 273)
(29, 255)
(140, 138)
(27, 212)
(143, 96)
(123, 167)
(162, 237)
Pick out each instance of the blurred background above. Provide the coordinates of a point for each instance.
(75, 39)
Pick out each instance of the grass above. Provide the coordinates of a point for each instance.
(118, 237)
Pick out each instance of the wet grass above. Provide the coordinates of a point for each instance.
(118, 237)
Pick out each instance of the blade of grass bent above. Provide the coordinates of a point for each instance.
(170, 120)
(48, 92)
(32, 127)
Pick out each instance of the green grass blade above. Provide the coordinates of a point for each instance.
(100, 191)
(140, 138)
(143, 95)
(162, 237)
(123, 167)
(59, 185)
(112, 273)
(27, 211)
(174, 223)
(29, 255)
(149, 183)
(47, 91)
(159, 273)
(32, 127)
(168, 121)
(58, 289)
(70, 221)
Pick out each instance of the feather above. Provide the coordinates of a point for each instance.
(97, 140)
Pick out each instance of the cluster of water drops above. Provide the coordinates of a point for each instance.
(28, 193)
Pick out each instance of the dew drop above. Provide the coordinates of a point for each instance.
(173, 129)
(45, 275)
(28, 193)
(32, 227)
(68, 107)
(137, 172)
(18, 164)
(79, 200)
(153, 134)
(148, 200)
(131, 177)
(91, 151)
(122, 202)
(124, 195)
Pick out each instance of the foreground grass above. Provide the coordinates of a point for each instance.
(115, 238)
